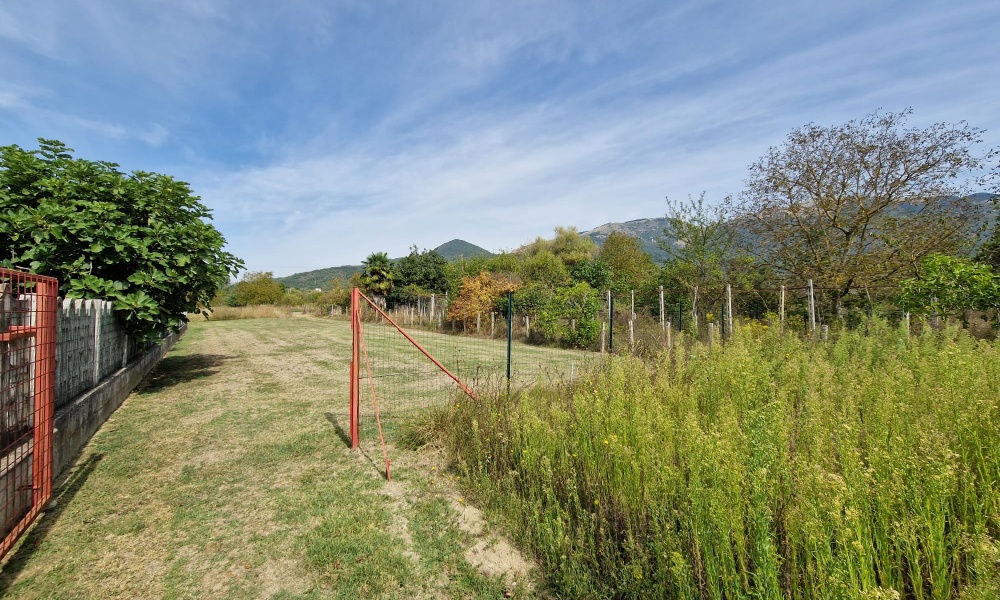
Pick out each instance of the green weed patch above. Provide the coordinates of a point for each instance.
(770, 467)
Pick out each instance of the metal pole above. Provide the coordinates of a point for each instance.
(663, 317)
(611, 325)
(781, 310)
(812, 308)
(722, 322)
(45, 386)
(510, 332)
(355, 399)
(694, 311)
(729, 308)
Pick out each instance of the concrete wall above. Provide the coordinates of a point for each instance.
(78, 420)
(90, 345)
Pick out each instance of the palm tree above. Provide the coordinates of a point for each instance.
(378, 277)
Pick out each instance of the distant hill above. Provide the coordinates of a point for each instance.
(647, 231)
(321, 278)
(457, 249)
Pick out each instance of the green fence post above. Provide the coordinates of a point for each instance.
(611, 325)
(510, 333)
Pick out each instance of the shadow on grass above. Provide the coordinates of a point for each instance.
(332, 418)
(381, 468)
(61, 497)
(173, 370)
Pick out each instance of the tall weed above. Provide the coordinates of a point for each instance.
(768, 467)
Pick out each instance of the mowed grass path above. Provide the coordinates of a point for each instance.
(227, 475)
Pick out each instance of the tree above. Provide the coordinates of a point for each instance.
(701, 247)
(478, 296)
(141, 241)
(859, 204)
(947, 284)
(568, 246)
(631, 267)
(255, 288)
(377, 277)
(595, 273)
(990, 252)
(425, 270)
(506, 264)
(571, 316)
(545, 268)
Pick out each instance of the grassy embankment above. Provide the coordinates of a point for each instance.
(769, 468)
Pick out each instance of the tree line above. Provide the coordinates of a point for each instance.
(873, 212)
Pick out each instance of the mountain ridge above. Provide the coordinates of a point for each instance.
(455, 249)
(647, 230)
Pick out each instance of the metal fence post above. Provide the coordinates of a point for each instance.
(510, 332)
(663, 317)
(611, 324)
(355, 364)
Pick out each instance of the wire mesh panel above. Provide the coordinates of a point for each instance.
(27, 389)
(544, 348)
(402, 369)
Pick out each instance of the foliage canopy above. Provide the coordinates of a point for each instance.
(140, 240)
(859, 204)
(948, 283)
(378, 277)
(255, 288)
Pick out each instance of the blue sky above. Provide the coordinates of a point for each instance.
(319, 132)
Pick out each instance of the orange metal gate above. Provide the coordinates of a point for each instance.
(27, 392)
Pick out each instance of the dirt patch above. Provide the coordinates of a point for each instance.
(492, 554)
(497, 558)
(282, 575)
(470, 518)
(489, 551)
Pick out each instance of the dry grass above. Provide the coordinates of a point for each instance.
(226, 475)
(230, 313)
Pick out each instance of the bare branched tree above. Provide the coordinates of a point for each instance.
(860, 204)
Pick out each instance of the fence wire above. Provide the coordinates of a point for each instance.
(406, 380)
(27, 392)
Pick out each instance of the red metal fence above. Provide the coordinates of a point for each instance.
(393, 368)
(27, 391)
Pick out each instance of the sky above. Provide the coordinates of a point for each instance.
(320, 132)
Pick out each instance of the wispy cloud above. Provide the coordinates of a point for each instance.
(320, 133)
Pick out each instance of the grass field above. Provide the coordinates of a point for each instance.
(770, 467)
(226, 475)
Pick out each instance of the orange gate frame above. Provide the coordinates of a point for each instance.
(41, 294)
(355, 370)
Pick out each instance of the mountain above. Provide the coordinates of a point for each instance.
(321, 278)
(647, 231)
(457, 249)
